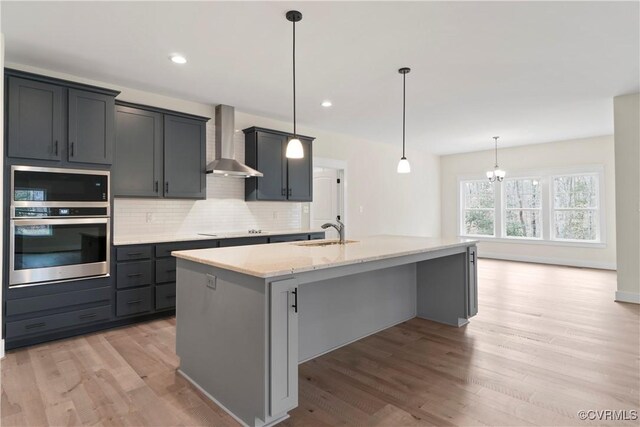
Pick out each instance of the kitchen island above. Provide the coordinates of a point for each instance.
(247, 316)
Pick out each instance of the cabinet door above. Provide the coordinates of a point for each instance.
(137, 164)
(271, 161)
(91, 124)
(184, 158)
(472, 292)
(34, 119)
(283, 385)
(300, 175)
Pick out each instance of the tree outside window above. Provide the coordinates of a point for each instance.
(523, 208)
(576, 207)
(479, 208)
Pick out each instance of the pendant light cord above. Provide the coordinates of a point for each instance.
(404, 104)
(294, 79)
(495, 138)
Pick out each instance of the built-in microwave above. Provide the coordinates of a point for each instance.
(60, 225)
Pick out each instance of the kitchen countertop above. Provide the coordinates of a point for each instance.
(164, 238)
(288, 258)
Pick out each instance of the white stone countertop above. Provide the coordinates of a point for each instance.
(176, 237)
(288, 258)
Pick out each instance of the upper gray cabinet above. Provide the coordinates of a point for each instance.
(137, 165)
(59, 121)
(184, 157)
(158, 153)
(91, 122)
(284, 179)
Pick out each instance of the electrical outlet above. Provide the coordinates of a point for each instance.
(211, 281)
(305, 209)
(149, 217)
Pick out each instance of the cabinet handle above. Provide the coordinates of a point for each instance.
(35, 325)
(72, 145)
(295, 300)
(166, 187)
(156, 186)
(138, 301)
(283, 192)
(55, 147)
(134, 275)
(170, 296)
(289, 192)
(134, 253)
(171, 270)
(472, 257)
(87, 316)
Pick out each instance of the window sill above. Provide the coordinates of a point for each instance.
(598, 245)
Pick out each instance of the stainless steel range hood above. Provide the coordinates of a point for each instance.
(225, 164)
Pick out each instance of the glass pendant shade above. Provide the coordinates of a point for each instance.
(294, 149)
(404, 166)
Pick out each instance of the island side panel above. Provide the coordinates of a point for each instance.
(443, 289)
(340, 310)
(221, 337)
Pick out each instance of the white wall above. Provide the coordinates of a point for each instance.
(627, 154)
(379, 200)
(589, 151)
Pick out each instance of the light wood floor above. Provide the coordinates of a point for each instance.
(548, 342)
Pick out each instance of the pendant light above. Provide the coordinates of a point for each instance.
(496, 174)
(403, 164)
(294, 146)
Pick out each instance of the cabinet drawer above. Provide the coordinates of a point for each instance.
(57, 321)
(133, 301)
(316, 236)
(164, 250)
(288, 238)
(243, 241)
(131, 274)
(166, 270)
(165, 296)
(64, 299)
(131, 253)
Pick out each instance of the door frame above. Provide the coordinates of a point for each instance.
(341, 167)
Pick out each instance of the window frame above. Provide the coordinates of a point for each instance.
(503, 207)
(597, 209)
(546, 177)
(462, 209)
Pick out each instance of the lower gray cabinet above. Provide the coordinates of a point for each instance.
(166, 270)
(53, 322)
(166, 296)
(131, 274)
(283, 359)
(133, 301)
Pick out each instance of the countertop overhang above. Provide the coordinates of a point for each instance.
(280, 259)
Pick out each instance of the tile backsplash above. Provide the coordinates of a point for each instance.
(224, 210)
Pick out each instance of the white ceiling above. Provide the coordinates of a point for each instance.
(527, 71)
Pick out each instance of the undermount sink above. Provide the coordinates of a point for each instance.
(330, 243)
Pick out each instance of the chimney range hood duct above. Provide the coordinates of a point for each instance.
(225, 164)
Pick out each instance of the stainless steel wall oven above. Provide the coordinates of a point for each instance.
(60, 225)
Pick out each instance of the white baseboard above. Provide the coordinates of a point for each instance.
(545, 260)
(2, 348)
(632, 297)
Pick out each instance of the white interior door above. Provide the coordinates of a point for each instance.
(325, 206)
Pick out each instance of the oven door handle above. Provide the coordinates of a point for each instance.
(58, 221)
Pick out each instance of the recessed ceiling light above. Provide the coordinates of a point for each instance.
(326, 103)
(178, 59)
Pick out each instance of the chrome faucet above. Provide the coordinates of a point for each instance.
(339, 227)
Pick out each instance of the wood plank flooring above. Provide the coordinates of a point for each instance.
(548, 341)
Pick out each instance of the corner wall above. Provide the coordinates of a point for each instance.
(626, 112)
(572, 153)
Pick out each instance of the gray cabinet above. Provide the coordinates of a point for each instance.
(184, 158)
(283, 348)
(284, 179)
(158, 154)
(34, 119)
(137, 166)
(91, 127)
(57, 120)
(472, 285)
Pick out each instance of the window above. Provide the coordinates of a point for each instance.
(479, 208)
(576, 208)
(522, 208)
(562, 206)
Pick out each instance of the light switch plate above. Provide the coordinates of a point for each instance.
(212, 281)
